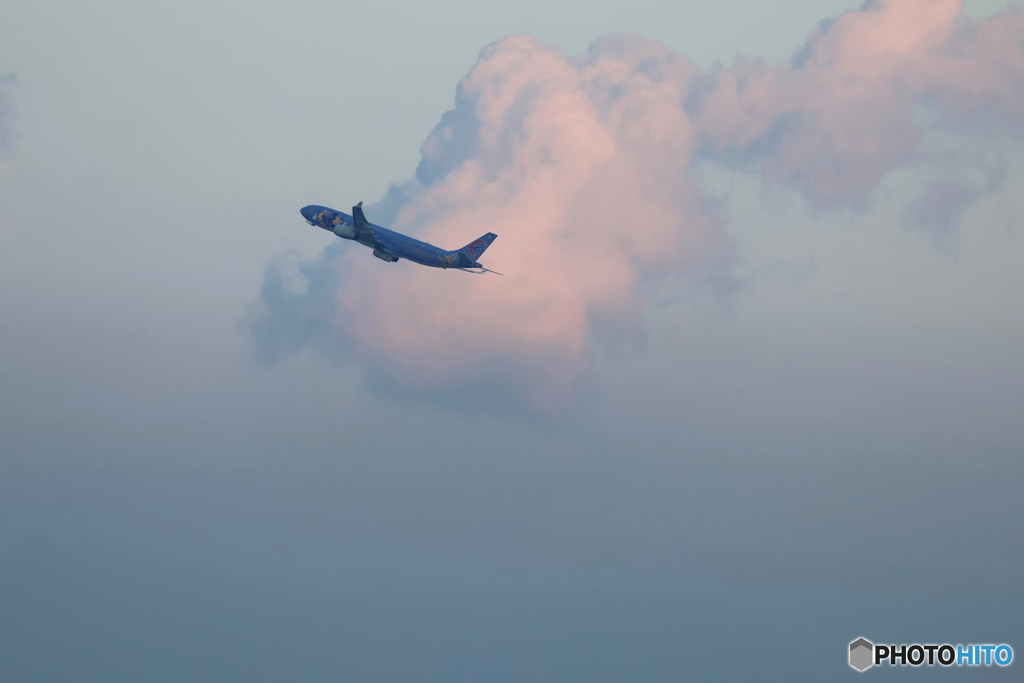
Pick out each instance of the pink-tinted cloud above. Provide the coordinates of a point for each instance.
(843, 113)
(581, 166)
(581, 169)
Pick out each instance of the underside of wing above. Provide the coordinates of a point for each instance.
(364, 231)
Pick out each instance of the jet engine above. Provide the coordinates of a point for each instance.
(345, 231)
(385, 256)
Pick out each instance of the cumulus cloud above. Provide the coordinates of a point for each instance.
(581, 165)
(847, 108)
(6, 116)
(295, 295)
(961, 179)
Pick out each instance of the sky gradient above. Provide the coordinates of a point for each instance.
(750, 389)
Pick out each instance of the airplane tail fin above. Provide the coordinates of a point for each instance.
(475, 249)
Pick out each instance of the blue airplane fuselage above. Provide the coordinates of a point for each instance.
(389, 245)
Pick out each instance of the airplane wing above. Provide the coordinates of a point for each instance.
(363, 227)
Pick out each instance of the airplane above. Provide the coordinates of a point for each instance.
(390, 246)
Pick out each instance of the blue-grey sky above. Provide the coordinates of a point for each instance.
(811, 433)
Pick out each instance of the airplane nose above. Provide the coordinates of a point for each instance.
(307, 212)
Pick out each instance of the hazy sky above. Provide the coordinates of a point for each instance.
(752, 387)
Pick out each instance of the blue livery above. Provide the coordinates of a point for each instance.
(390, 246)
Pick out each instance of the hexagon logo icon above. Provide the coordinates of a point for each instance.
(861, 654)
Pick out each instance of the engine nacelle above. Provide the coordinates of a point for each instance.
(345, 231)
(385, 256)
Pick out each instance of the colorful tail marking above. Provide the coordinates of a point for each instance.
(477, 247)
